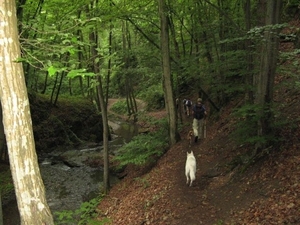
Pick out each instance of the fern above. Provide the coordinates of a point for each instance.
(143, 147)
(84, 215)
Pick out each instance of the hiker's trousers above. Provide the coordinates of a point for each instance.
(198, 128)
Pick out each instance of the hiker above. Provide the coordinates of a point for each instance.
(184, 105)
(188, 105)
(199, 113)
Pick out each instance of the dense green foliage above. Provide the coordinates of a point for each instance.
(215, 46)
(120, 107)
(154, 96)
(144, 148)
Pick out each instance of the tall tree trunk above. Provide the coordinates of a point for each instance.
(1, 211)
(25, 33)
(222, 49)
(100, 94)
(249, 55)
(266, 76)
(167, 79)
(179, 68)
(103, 105)
(80, 50)
(2, 149)
(20, 6)
(59, 87)
(110, 39)
(29, 187)
(2, 138)
(54, 88)
(63, 73)
(45, 83)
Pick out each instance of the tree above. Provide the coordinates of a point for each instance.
(29, 187)
(167, 79)
(3, 150)
(1, 211)
(103, 105)
(249, 55)
(266, 75)
(94, 38)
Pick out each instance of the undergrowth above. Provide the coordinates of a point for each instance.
(86, 214)
(120, 107)
(143, 148)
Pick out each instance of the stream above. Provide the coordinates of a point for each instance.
(69, 180)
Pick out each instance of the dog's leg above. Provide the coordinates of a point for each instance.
(187, 176)
(187, 179)
(192, 176)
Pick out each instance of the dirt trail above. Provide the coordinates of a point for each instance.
(162, 197)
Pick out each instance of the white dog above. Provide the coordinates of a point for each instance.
(190, 168)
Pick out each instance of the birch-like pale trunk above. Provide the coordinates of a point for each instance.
(29, 187)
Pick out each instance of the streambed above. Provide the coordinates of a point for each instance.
(69, 180)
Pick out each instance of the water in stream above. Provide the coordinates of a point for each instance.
(68, 180)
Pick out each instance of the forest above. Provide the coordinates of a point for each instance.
(238, 53)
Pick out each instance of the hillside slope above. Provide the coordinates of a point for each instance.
(266, 193)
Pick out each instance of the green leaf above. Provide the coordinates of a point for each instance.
(79, 72)
(52, 70)
(72, 51)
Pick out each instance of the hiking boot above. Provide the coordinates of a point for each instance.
(196, 139)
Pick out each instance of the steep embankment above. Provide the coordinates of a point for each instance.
(67, 124)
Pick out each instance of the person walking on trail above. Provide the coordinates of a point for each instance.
(188, 105)
(199, 113)
(184, 105)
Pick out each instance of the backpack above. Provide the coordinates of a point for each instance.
(189, 103)
(199, 112)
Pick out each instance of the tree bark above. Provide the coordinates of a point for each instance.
(1, 211)
(249, 56)
(2, 138)
(110, 39)
(266, 76)
(167, 79)
(103, 106)
(29, 187)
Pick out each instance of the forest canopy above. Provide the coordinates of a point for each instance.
(217, 48)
